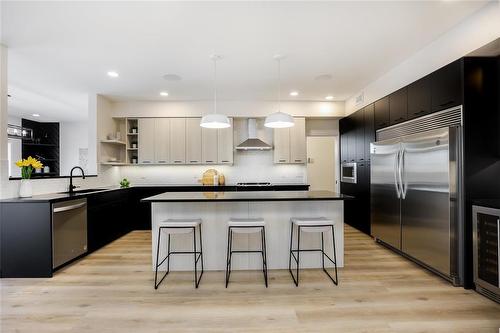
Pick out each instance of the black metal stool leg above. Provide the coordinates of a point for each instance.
(335, 256)
(291, 248)
(230, 251)
(264, 254)
(201, 255)
(322, 250)
(298, 255)
(195, 266)
(157, 256)
(168, 255)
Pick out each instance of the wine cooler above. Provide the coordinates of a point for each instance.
(486, 229)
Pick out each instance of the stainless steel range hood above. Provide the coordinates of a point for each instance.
(253, 142)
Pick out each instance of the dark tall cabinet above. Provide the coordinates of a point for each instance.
(357, 131)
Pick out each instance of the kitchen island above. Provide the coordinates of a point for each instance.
(276, 208)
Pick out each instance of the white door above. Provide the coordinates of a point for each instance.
(146, 140)
(225, 145)
(178, 140)
(193, 141)
(321, 173)
(162, 140)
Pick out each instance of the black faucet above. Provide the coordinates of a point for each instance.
(71, 186)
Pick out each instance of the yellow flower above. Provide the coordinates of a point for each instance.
(19, 163)
(37, 164)
(26, 163)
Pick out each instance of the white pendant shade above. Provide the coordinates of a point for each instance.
(279, 120)
(215, 121)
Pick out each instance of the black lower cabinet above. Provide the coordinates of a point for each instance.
(25, 240)
(110, 215)
(357, 211)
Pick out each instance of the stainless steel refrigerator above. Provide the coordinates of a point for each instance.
(416, 192)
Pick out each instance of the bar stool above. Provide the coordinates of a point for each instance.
(312, 224)
(246, 226)
(180, 226)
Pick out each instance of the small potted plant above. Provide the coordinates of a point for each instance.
(27, 166)
(124, 183)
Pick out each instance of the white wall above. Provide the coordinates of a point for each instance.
(230, 108)
(15, 149)
(474, 32)
(249, 166)
(107, 176)
(73, 136)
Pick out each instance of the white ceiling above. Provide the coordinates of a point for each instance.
(59, 52)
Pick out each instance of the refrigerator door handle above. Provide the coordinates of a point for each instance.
(396, 174)
(402, 176)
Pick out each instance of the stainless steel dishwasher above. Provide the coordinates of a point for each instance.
(69, 231)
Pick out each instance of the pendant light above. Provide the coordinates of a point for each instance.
(215, 120)
(279, 119)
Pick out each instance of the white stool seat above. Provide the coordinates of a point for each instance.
(246, 225)
(313, 224)
(179, 226)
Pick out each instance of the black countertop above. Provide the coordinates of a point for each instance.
(246, 196)
(173, 188)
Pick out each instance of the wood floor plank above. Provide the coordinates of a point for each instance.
(112, 290)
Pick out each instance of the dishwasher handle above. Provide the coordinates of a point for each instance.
(66, 208)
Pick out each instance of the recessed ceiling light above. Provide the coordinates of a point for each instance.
(329, 97)
(294, 93)
(35, 115)
(172, 77)
(113, 74)
(164, 93)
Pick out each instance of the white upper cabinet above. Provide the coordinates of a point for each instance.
(298, 141)
(146, 140)
(209, 145)
(290, 143)
(178, 140)
(225, 142)
(193, 141)
(162, 141)
(281, 145)
(183, 141)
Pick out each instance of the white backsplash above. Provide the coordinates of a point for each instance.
(249, 166)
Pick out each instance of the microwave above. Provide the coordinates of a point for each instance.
(348, 173)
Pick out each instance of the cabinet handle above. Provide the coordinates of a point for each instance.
(193, 161)
(146, 162)
(209, 161)
(282, 160)
(224, 161)
(177, 161)
(298, 160)
(419, 112)
(162, 161)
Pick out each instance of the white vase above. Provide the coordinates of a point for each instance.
(25, 189)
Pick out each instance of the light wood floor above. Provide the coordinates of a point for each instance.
(112, 291)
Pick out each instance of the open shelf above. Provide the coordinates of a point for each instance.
(114, 163)
(115, 142)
